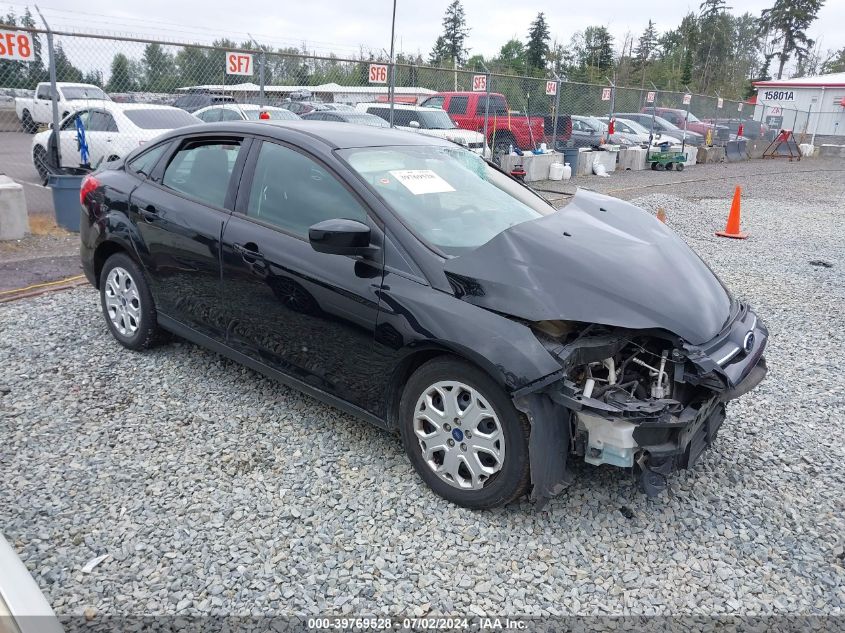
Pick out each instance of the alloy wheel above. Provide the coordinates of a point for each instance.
(123, 301)
(459, 434)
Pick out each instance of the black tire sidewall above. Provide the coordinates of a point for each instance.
(145, 334)
(510, 482)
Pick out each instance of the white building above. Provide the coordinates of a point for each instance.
(811, 105)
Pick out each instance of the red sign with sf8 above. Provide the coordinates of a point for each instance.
(16, 45)
(378, 73)
(238, 64)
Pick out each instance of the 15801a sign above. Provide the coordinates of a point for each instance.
(779, 95)
(16, 45)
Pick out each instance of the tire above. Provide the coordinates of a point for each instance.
(680, 167)
(670, 166)
(27, 123)
(39, 161)
(127, 303)
(660, 167)
(497, 448)
(654, 166)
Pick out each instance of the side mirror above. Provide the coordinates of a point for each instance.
(340, 237)
(414, 124)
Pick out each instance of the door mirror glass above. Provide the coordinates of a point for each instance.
(340, 237)
(414, 124)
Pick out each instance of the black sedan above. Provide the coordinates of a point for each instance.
(405, 280)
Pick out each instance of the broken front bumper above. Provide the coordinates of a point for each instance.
(657, 435)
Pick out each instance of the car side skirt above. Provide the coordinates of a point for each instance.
(180, 329)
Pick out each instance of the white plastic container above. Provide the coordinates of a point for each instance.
(556, 171)
(567, 171)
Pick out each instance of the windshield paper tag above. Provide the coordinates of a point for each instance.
(420, 181)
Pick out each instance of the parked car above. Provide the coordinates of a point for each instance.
(410, 283)
(662, 126)
(427, 121)
(589, 131)
(70, 96)
(343, 116)
(303, 107)
(638, 134)
(23, 608)
(751, 129)
(112, 130)
(504, 129)
(243, 112)
(676, 117)
(193, 101)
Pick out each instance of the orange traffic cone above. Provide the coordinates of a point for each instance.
(732, 228)
(661, 214)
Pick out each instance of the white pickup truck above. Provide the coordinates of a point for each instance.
(71, 97)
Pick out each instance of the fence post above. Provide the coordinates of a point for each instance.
(261, 76)
(557, 112)
(716, 119)
(487, 79)
(612, 102)
(391, 89)
(653, 114)
(686, 118)
(53, 91)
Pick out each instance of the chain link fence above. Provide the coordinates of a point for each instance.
(137, 88)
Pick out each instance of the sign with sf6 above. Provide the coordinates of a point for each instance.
(238, 64)
(16, 45)
(378, 73)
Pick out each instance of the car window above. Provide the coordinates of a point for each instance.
(143, 163)
(43, 92)
(209, 116)
(433, 102)
(458, 105)
(230, 115)
(159, 118)
(101, 122)
(497, 105)
(293, 192)
(70, 122)
(202, 170)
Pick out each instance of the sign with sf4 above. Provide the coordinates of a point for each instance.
(779, 95)
(238, 64)
(16, 45)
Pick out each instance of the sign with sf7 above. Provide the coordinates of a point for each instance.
(779, 95)
(238, 64)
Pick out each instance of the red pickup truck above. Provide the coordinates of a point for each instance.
(504, 128)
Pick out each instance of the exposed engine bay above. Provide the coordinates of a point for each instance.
(645, 400)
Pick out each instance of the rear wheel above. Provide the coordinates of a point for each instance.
(127, 303)
(39, 161)
(27, 123)
(680, 167)
(463, 435)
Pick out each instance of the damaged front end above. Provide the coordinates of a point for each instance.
(638, 399)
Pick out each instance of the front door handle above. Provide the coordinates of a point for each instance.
(249, 251)
(150, 213)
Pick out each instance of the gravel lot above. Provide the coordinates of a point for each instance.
(215, 490)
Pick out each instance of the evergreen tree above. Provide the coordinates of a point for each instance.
(598, 48)
(455, 32)
(836, 63)
(537, 49)
(440, 53)
(65, 70)
(787, 21)
(157, 69)
(511, 57)
(120, 77)
(712, 8)
(646, 45)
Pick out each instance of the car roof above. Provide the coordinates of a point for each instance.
(115, 106)
(402, 106)
(335, 135)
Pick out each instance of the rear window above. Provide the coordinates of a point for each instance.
(147, 119)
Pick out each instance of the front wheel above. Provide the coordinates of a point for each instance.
(680, 167)
(29, 126)
(127, 303)
(463, 435)
(39, 161)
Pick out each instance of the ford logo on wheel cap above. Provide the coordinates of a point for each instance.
(748, 342)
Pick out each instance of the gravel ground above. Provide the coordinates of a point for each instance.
(214, 490)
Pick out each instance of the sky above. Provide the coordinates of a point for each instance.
(343, 26)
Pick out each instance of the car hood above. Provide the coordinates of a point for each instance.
(454, 133)
(597, 260)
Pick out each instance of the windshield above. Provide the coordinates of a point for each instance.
(448, 196)
(275, 115)
(75, 93)
(435, 120)
(692, 118)
(164, 119)
(638, 129)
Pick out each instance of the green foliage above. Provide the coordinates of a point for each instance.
(836, 64)
(449, 47)
(787, 23)
(537, 49)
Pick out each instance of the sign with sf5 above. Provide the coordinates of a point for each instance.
(238, 64)
(16, 45)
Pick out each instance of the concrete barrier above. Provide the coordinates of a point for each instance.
(733, 153)
(585, 163)
(14, 222)
(829, 150)
(606, 158)
(711, 155)
(9, 121)
(691, 154)
(536, 166)
(757, 147)
(632, 158)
